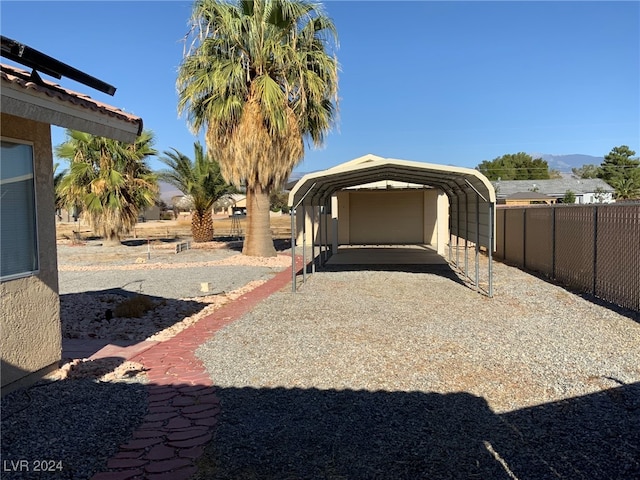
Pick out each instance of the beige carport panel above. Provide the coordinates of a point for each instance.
(471, 195)
(395, 213)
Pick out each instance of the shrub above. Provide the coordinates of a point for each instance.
(569, 197)
(134, 307)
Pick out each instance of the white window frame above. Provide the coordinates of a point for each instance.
(27, 273)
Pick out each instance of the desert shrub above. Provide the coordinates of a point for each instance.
(134, 307)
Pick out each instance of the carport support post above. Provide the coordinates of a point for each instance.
(326, 235)
(466, 234)
(492, 212)
(313, 239)
(293, 249)
(458, 233)
(293, 242)
(327, 254)
(319, 236)
(477, 241)
(304, 244)
(334, 225)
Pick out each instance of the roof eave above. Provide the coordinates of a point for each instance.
(40, 107)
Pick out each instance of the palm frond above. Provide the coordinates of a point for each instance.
(109, 180)
(199, 178)
(260, 77)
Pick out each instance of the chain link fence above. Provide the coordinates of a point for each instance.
(591, 248)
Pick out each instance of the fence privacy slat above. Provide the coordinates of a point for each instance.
(539, 240)
(618, 262)
(574, 247)
(514, 234)
(591, 248)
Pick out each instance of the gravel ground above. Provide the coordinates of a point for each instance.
(77, 422)
(49, 427)
(181, 283)
(362, 374)
(94, 279)
(387, 374)
(137, 268)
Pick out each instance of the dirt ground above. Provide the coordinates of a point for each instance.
(181, 228)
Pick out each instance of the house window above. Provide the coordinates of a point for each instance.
(18, 226)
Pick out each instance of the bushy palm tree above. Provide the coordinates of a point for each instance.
(626, 188)
(260, 78)
(109, 179)
(201, 181)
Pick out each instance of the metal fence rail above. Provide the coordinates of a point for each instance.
(591, 248)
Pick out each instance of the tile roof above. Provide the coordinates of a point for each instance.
(22, 78)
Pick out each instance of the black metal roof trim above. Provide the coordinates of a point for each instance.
(32, 58)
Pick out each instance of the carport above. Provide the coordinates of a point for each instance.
(471, 205)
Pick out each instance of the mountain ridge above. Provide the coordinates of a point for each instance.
(564, 163)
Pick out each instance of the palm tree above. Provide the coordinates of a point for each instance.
(201, 181)
(260, 78)
(626, 188)
(109, 179)
(57, 178)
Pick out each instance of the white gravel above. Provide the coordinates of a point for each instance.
(534, 342)
(360, 374)
(79, 416)
(365, 374)
(94, 279)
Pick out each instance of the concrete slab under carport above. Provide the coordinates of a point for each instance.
(422, 259)
(386, 255)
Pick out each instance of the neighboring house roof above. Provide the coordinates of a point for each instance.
(236, 197)
(63, 107)
(230, 200)
(529, 196)
(556, 187)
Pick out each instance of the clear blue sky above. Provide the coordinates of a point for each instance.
(442, 82)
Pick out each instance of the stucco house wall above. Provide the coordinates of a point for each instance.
(30, 311)
(30, 305)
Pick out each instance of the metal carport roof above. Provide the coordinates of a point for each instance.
(471, 196)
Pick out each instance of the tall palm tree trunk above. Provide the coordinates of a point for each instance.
(111, 240)
(258, 241)
(202, 226)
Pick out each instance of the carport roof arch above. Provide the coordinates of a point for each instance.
(457, 182)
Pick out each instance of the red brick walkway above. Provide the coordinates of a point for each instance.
(183, 407)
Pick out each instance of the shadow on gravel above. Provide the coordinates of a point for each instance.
(120, 315)
(310, 434)
(143, 241)
(236, 244)
(626, 312)
(440, 270)
(68, 429)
